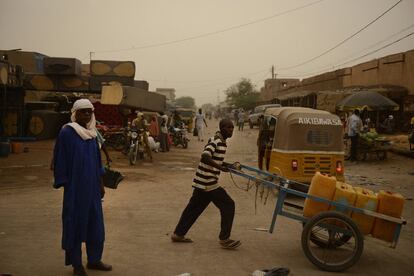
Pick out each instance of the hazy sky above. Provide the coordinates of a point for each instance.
(204, 67)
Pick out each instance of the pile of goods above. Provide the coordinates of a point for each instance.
(383, 202)
(370, 137)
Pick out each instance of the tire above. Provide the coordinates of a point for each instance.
(321, 243)
(330, 222)
(133, 154)
(119, 142)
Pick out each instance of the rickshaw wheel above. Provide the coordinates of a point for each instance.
(361, 156)
(332, 253)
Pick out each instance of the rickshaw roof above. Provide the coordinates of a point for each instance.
(300, 128)
(276, 111)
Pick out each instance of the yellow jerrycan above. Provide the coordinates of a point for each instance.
(344, 194)
(390, 204)
(321, 186)
(368, 200)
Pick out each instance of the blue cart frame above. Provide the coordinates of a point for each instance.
(282, 185)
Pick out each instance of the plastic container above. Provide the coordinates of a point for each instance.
(390, 204)
(344, 194)
(321, 186)
(4, 149)
(17, 147)
(368, 200)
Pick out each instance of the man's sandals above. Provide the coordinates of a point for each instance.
(225, 244)
(176, 238)
(229, 244)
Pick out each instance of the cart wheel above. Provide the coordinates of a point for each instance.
(342, 239)
(382, 155)
(339, 241)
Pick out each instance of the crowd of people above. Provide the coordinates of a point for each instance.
(78, 169)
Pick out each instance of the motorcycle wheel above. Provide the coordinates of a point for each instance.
(175, 142)
(133, 153)
(119, 142)
(185, 144)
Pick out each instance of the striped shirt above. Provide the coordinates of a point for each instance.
(206, 177)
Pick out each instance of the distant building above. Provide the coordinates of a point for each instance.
(273, 86)
(390, 75)
(169, 93)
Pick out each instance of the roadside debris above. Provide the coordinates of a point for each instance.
(276, 271)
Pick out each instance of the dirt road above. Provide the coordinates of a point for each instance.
(141, 214)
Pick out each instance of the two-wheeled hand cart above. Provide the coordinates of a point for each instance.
(331, 240)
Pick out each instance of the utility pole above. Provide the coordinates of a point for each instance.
(273, 71)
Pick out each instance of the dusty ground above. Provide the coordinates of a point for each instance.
(142, 212)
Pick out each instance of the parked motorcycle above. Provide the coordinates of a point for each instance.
(114, 136)
(179, 136)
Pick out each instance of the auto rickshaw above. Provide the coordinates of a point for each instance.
(187, 116)
(296, 142)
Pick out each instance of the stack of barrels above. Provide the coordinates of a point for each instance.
(109, 72)
(384, 202)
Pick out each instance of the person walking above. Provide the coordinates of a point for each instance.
(164, 133)
(207, 189)
(154, 128)
(78, 169)
(262, 140)
(354, 128)
(241, 120)
(236, 117)
(200, 122)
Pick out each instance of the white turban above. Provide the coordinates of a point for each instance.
(82, 104)
(90, 131)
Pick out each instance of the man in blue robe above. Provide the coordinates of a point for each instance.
(78, 169)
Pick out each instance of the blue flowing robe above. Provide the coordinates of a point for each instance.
(78, 168)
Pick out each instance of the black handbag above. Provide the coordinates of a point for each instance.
(195, 132)
(111, 178)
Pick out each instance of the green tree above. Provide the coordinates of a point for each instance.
(242, 95)
(186, 101)
(207, 107)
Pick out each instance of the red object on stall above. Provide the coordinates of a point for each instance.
(109, 114)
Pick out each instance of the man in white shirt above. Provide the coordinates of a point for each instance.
(354, 128)
(200, 121)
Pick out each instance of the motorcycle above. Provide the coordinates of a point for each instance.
(114, 136)
(179, 136)
(136, 148)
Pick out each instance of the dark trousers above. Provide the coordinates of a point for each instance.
(354, 147)
(164, 142)
(262, 150)
(93, 250)
(199, 202)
